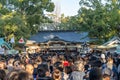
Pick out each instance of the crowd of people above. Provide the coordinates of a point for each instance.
(55, 66)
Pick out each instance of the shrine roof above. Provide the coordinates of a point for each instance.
(70, 36)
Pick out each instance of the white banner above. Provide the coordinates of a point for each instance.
(12, 40)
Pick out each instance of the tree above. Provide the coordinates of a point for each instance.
(21, 18)
(101, 19)
(33, 10)
(64, 25)
(13, 25)
(71, 23)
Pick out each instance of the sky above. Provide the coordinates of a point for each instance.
(68, 7)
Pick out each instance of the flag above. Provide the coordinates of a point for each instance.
(21, 40)
(12, 40)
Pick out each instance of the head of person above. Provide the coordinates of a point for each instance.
(2, 74)
(58, 65)
(16, 64)
(38, 60)
(29, 68)
(68, 69)
(97, 63)
(23, 75)
(2, 65)
(57, 75)
(42, 70)
(79, 65)
(53, 60)
(22, 66)
(13, 75)
(95, 74)
(10, 62)
(106, 77)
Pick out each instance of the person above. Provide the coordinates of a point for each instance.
(10, 64)
(23, 75)
(13, 75)
(106, 77)
(110, 69)
(59, 66)
(57, 75)
(29, 68)
(43, 72)
(2, 65)
(118, 70)
(2, 74)
(18, 75)
(78, 71)
(35, 71)
(67, 70)
(16, 64)
(103, 58)
(95, 74)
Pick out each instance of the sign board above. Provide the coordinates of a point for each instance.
(21, 40)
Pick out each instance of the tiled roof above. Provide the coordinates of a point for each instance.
(113, 41)
(72, 36)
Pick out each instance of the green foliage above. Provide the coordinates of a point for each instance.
(13, 25)
(34, 12)
(101, 20)
(21, 18)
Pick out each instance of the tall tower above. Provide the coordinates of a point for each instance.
(55, 16)
(57, 11)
